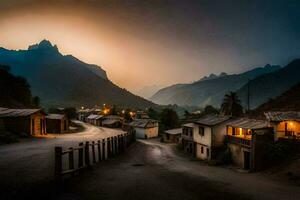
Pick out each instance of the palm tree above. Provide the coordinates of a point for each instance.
(231, 105)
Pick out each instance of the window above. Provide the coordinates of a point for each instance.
(201, 130)
(207, 152)
(202, 149)
(191, 132)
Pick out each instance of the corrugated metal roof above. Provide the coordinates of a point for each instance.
(55, 116)
(191, 125)
(174, 131)
(247, 123)
(92, 116)
(142, 122)
(110, 121)
(212, 119)
(7, 112)
(283, 116)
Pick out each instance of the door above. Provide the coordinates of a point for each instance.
(32, 127)
(246, 160)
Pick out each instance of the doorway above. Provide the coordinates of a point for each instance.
(246, 160)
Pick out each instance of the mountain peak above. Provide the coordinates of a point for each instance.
(44, 45)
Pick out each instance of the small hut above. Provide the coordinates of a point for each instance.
(26, 121)
(57, 123)
(172, 135)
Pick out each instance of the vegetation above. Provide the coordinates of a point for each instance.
(15, 90)
(153, 114)
(169, 119)
(231, 105)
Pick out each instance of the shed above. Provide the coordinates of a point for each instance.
(145, 128)
(28, 121)
(172, 135)
(57, 123)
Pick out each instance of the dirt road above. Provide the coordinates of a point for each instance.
(30, 163)
(151, 170)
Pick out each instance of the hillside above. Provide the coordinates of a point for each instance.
(288, 101)
(208, 90)
(66, 81)
(15, 90)
(271, 85)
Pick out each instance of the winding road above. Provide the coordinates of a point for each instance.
(147, 170)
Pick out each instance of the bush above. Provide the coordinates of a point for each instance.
(7, 138)
(281, 150)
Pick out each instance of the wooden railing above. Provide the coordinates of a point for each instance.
(239, 140)
(89, 153)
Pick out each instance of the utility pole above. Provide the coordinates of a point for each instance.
(248, 95)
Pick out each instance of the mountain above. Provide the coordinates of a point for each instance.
(64, 80)
(288, 101)
(208, 91)
(147, 91)
(271, 85)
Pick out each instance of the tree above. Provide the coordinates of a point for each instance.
(36, 101)
(210, 110)
(231, 105)
(127, 116)
(113, 110)
(169, 118)
(152, 113)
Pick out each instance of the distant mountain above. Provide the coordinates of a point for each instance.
(210, 90)
(64, 80)
(148, 91)
(271, 85)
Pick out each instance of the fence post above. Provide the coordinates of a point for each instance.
(93, 152)
(99, 150)
(71, 159)
(103, 149)
(80, 155)
(108, 147)
(58, 163)
(87, 154)
(117, 145)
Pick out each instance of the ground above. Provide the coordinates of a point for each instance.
(147, 170)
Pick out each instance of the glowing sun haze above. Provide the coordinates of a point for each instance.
(150, 42)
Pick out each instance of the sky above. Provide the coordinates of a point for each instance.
(158, 42)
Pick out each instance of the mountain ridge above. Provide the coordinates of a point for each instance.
(64, 80)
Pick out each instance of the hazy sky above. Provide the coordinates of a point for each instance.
(158, 42)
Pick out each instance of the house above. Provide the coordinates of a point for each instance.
(145, 128)
(285, 124)
(248, 140)
(57, 123)
(188, 143)
(205, 135)
(95, 119)
(172, 135)
(28, 121)
(112, 121)
(142, 115)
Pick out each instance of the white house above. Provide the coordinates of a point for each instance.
(207, 133)
(145, 128)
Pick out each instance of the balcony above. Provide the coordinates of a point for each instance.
(240, 140)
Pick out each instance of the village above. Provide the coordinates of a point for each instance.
(242, 143)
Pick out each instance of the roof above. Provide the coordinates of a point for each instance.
(247, 123)
(191, 125)
(282, 116)
(142, 123)
(110, 121)
(113, 117)
(212, 119)
(55, 116)
(7, 112)
(174, 131)
(92, 116)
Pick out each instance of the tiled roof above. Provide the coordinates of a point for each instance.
(212, 119)
(174, 131)
(247, 123)
(142, 122)
(282, 116)
(55, 116)
(7, 112)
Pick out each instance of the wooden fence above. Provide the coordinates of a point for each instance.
(89, 153)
